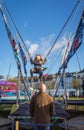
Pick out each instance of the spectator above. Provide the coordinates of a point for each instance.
(42, 109)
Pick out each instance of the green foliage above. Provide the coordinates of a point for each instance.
(1, 77)
(76, 83)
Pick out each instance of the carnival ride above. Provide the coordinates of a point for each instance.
(7, 88)
(6, 83)
(21, 53)
(17, 43)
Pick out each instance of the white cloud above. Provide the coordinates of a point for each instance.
(44, 45)
(28, 43)
(33, 48)
(60, 44)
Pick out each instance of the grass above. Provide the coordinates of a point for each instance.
(13, 107)
(75, 108)
(76, 98)
(70, 98)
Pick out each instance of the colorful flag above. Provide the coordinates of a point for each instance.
(76, 42)
(12, 41)
(24, 60)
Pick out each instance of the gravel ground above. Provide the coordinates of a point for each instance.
(75, 123)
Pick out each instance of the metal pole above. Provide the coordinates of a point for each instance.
(17, 125)
(65, 90)
(18, 88)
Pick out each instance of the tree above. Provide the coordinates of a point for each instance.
(1, 77)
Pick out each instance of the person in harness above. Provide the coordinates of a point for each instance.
(38, 62)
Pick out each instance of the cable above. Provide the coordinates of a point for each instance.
(8, 71)
(63, 27)
(15, 27)
(78, 61)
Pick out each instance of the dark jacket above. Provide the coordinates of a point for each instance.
(42, 108)
(37, 64)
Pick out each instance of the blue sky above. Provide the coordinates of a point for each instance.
(39, 22)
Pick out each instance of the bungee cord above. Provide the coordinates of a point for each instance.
(51, 66)
(78, 62)
(75, 45)
(63, 27)
(54, 61)
(55, 57)
(13, 44)
(24, 46)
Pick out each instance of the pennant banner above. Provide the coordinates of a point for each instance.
(12, 41)
(76, 42)
(24, 60)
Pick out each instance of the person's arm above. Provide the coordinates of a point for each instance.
(43, 61)
(31, 107)
(52, 107)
